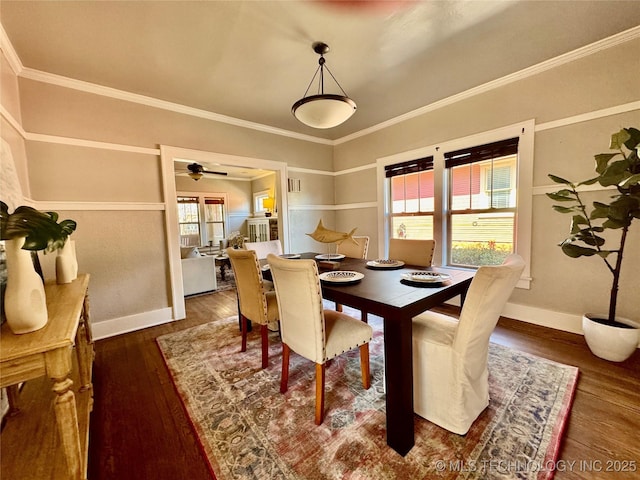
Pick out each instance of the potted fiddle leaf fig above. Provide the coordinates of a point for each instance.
(26, 230)
(608, 336)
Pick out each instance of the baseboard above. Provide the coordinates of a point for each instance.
(130, 323)
(565, 322)
(539, 316)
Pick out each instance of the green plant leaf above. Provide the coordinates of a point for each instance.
(557, 179)
(618, 139)
(634, 138)
(560, 196)
(632, 180)
(561, 209)
(591, 181)
(575, 251)
(602, 160)
(614, 173)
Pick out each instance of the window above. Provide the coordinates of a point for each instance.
(258, 201)
(214, 220)
(482, 203)
(482, 198)
(412, 198)
(201, 220)
(189, 221)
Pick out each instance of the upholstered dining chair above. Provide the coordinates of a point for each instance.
(450, 375)
(412, 252)
(254, 302)
(350, 249)
(311, 331)
(353, 250)
(262, 249)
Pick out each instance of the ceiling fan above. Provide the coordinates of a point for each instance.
(196, 171)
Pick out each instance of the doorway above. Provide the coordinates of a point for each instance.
(168, 155)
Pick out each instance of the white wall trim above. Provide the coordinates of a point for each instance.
(12, 121)
(10, 53)
(585, 117)
(544, 189)
(39, 137)
(66, 82)
(568, 57)
(311, 171)
(130, 323)
(96, 206)
(344, 206)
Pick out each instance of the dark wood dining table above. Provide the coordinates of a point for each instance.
(381, 292)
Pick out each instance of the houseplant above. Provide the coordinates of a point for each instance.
(26, 230)
(608, 336)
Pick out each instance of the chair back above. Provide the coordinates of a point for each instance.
(490, 289)
(354, 250)
(263, 249)
(249, 284)
(412, 252)
(300, 306)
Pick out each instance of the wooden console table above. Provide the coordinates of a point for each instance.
(37, 447)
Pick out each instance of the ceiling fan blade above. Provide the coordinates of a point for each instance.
(214, 173)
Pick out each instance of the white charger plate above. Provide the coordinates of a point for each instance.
(341, 276)
(382, 263)
(426, 277)
(330, 256)
(290, 255)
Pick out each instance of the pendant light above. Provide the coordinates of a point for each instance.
(323, 110)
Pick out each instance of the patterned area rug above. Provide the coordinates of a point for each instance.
(249, 430)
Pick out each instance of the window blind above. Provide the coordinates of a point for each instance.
(479, 153)
(412, 166)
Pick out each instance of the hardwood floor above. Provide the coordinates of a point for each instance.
(139, 429)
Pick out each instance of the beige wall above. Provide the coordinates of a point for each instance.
(124, 247)
(603, 80)
(95, 178)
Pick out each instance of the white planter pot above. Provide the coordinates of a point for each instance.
(66, 263)
(609, 342)
(25, 304)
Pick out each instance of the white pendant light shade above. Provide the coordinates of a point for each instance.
(324, 111)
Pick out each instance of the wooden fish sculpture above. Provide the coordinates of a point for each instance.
(324, 235)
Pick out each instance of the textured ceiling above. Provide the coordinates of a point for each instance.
(253, 60)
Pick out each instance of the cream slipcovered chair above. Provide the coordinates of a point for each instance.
(316, 334)
(254, 302)
(262, 249)
(450, 376)
(352, 250)
(412, 252)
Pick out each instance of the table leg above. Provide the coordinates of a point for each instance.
(84, 348)
(399, 383)
(13, 395)
(58, 364)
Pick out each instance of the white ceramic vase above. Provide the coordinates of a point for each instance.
(25, 304)
(610, 342)
(67, 263)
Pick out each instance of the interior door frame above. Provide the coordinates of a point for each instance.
(168, 155)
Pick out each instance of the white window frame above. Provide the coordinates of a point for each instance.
(203, 223)
(524, 186)
(257, 201)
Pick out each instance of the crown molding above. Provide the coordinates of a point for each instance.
(9, 52)
(80, 85)
(66, 82)
(563, 59)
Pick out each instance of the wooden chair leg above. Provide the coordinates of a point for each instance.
(265, 345)
(284, 380)
(338, 307)
(363, 316)
(319, 393)
(364, 366)
(243, 321)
